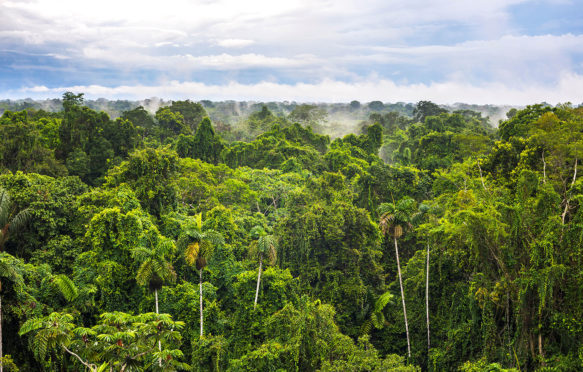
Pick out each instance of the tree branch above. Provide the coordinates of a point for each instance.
(92, 367)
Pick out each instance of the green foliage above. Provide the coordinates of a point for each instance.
(207, 146)
(148, 173)
(192, 113)
(425, 109)
(499, 211)
(119, 340)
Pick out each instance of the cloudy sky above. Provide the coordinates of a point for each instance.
(475, 51)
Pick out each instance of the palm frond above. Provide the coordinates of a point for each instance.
(252, 250)
(267, 244)
(31, 325)
(386, 208)
(378, 320)
(145, 272)
(366, 327)
(166, 247)
(213, 237)
(198, 221)
(18, 221)
(5, 207)
(141, 254)
(385, 299)
(191, 253)
(66, 286)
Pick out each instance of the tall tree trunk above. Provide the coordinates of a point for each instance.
(574, 173)
(567, 194)
(403, 298)
(427, 301)
(544, 169)
(258, 280)
(159, 342)
(200, 299)
(156, 297)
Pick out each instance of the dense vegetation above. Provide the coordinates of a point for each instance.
(429, 240)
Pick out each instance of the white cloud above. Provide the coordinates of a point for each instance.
(299, 41)
(567, 89)
(235, 43)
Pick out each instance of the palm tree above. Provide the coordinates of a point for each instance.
(155, 270)
(8, 270)
(198, 247)
(264, 245)
(395, 218)
(377, 318)
(9, 220)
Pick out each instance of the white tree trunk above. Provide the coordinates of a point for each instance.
(574, 173)
(258, 280)
(200, 290)
(403, 299)
(156, 297)
(159, 342)
(427, 300)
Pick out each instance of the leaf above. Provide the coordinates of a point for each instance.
(67, 287)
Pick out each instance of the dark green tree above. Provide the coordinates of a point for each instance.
(206, 144)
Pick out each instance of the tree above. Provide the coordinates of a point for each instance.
(8, 271)
(395, 218)
(155, 270)
(423, 109)
(376, 105)
(71, 100)
(207, 144)
(192, 112)
(171, 123)
(10, 221)
(308, 115)
(198, 247)
(264, 245)
(377, 317)
(119, 341)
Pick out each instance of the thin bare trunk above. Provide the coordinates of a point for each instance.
(574, 174)
(159, 342)
(258, 280)
(544, 169)
(564, 215)
(258, 209)
(200, 290)
(427, 301)
(565, 211)
(403, 298)
(156, 297)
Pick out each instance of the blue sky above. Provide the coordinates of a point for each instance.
(494, 51)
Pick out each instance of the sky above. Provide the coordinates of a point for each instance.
(473, 51)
